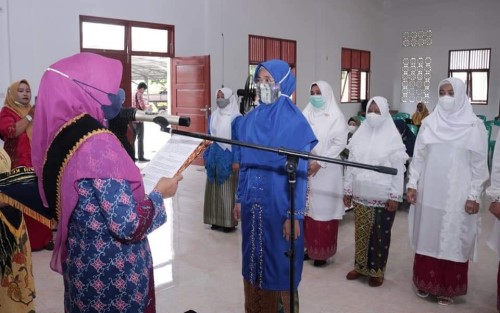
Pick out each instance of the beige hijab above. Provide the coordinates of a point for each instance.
(4, 161)
(21, 110)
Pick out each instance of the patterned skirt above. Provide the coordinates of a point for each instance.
(17, 287)
(440, 277)
(219, 203)
(258, 300)
(372, 239)
(320, 238)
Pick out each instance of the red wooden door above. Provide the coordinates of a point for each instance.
(191, 92)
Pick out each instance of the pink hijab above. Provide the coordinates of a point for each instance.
(60, 99)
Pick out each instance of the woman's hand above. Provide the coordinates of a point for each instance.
(313, 168)
(391, 205)
(168, 186)
(237, 211)
(495, 209)
(471, 207)
(411, 195)
(347, 201)
(287, 229)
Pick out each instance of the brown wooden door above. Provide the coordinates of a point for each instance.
(191, 92)
(125, 84)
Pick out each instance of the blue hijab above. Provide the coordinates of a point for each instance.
(278, 125)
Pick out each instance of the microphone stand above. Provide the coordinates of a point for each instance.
(292, 158)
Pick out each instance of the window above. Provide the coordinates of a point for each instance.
(130, 37)
(473, 67)
(355, 76)
(261, 49)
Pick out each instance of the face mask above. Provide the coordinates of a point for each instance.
(446, 102)
(352, 128)
(374, 119)
(317, 101)
(110, 110)
(268, 93)
(222, 103)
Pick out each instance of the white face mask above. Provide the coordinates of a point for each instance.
(352, 128)
(374, 119)
(446, 102)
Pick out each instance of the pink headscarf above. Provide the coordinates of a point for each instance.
(60, 99)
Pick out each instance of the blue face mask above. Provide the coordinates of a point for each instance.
(110, 110)
(317, 101)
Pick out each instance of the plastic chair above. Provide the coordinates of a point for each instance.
(482, 117)
(491, 140)
(401, 116)
(413, 128)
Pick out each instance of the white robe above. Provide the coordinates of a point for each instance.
(494, 192)
(447, 176)
(325, 189)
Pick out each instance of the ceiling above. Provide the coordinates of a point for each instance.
(149, 68)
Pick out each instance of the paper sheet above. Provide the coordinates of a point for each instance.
(175, 155)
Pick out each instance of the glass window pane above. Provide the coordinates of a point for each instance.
(479, 86)
(103, 36)
(461, 75)
(344, 87)
(362, 91)
(149, 39)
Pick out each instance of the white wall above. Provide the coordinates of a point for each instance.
(34, 34)
(455, 24)
(38, 33)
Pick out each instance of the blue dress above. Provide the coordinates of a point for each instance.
(108, 267)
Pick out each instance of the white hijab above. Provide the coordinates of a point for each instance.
(221, 119)
(460, 126)
(327, 122)
(374, 145)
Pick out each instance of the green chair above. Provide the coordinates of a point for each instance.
(491, 141)
(401, 116)
(482, 117)
(413, 128)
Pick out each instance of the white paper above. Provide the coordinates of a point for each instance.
(168, 160)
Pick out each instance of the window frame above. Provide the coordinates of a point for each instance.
(128, 36)
(262, 48)
(354, 62)
(469, 73)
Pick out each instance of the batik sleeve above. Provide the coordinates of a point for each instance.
(126, 219)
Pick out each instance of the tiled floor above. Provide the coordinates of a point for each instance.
(199, 269)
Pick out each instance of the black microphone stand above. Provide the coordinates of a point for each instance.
(292, 158)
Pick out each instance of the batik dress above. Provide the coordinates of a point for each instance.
(220, 189)
(108, 267)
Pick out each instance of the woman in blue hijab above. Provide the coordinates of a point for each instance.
(262, 198)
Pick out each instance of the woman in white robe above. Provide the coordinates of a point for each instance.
(446, 178)
(494, 193)
(325, 188)
(375, 196)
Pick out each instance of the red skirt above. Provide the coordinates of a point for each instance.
(440, 277)
(498, 288)
(39, 234)
(320, 238)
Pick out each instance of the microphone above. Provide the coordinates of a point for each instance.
(131, 115)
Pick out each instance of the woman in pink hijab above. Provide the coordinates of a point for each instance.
(104, 214)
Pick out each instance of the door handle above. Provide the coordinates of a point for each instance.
(206, 109)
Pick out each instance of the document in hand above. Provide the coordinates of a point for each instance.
(174, 157)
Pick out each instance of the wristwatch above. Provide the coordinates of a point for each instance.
(28, 117)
